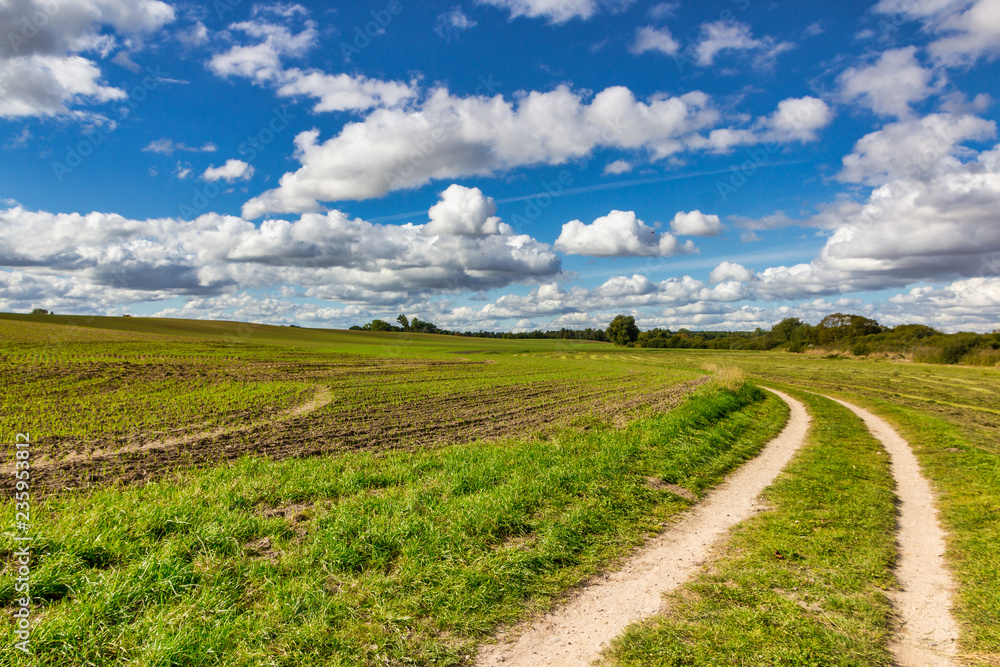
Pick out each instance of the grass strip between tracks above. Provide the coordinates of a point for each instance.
(803, 583)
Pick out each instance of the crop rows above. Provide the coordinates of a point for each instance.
(127, 409)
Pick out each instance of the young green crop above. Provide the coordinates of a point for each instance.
(360, 558)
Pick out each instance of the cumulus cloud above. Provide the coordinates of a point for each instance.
(618, 234)
(230, 172)
(263, 63)
(696, 223)
(941, 225)
(730, 272)
(464, 211)
(720, 36)
(451, 137)
(654, 39)
(910, 148)
(964, 304)
(558, 11)
(327, 256)
(798, 119)
(41, 71)
(890, 85)
(967, 29)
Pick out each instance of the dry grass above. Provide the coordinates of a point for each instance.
(729, 378)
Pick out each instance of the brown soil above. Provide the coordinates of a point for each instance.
(322, 426)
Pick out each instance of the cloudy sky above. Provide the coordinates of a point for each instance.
(502, 164)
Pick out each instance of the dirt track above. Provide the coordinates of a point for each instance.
(929, 634)
(576, 633)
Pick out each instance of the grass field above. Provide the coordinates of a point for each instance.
(220, 493)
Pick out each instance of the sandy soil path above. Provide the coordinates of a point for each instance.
(929, 634)
(576, 633)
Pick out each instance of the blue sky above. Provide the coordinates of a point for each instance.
(502, 164)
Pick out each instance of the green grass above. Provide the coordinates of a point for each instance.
(363, 558)
(801, 584)
(241, 333)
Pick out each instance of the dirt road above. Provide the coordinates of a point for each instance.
(576, 633)
(929, 634)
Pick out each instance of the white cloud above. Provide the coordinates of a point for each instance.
(730, 272)
(168, 146)
(911, 148)
(195, 36)
(795, 120)
(618, 167)
(654, 39)
(663, 10)
(941, 225)
(558, 11)
(695, 223)
(231, 171)
(123, 59)
(451, 137)
(798, 119)
(263, 63)
(41, 71)
(46, 85)
(890, 85)
(464, 211)
(618, 234)
(451, 23)
(326, 256)
(721, 36)
(971, 304)
(968, 29)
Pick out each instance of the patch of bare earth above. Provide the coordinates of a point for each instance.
(575, 633)
(313, 428)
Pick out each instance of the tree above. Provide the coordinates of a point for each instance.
(377, 325)
(403, 322)
(40, 311)
(623, 330)
(838, 327)
(783, 330)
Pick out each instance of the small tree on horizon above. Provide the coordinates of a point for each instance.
(403, 322)
(623, 330)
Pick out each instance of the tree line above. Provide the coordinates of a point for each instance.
(415, 325)
(838, 333)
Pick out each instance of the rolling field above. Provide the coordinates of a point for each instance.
(107, 405)
(220, 493)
